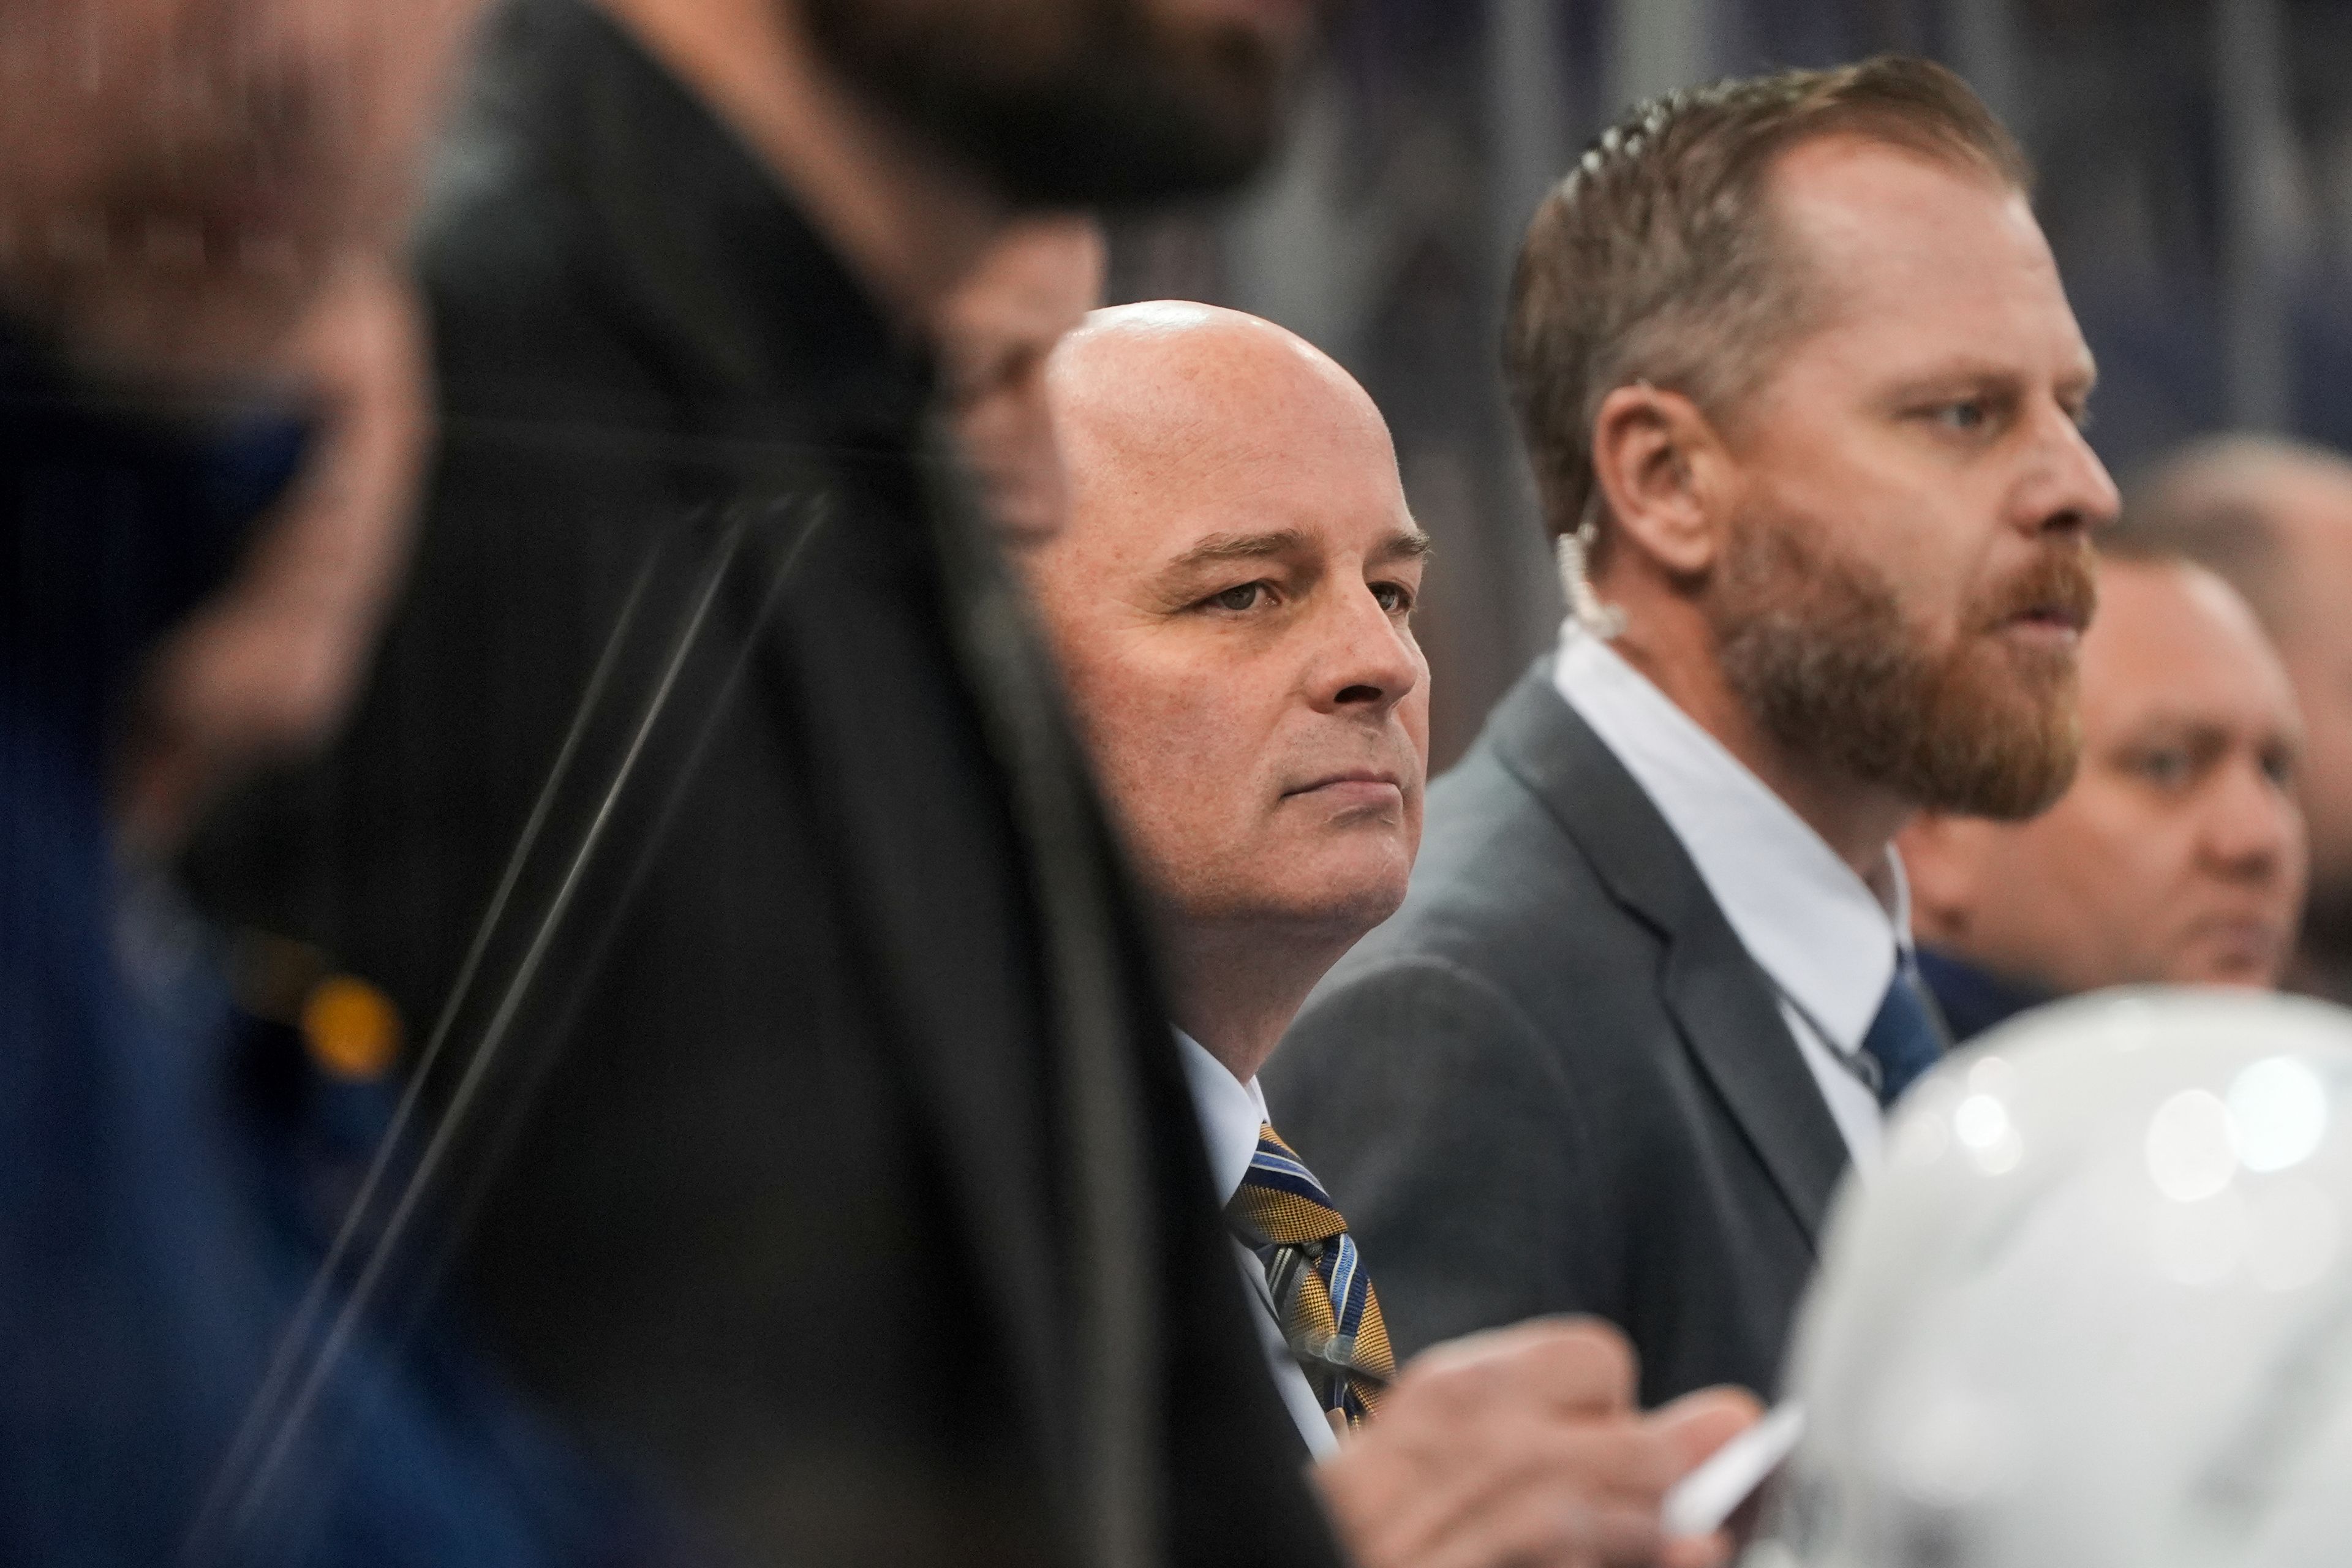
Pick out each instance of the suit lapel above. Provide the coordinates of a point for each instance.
(1722, 1004)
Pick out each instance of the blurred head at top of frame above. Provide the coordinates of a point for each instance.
(1073, 102)
(2176, 854)
(1792, 353)
(179, 179)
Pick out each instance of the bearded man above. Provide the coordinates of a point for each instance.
(1803, 389)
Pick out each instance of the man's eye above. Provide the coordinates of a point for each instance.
(1393, 597)
(1963, 417)
(2165, 770)
(1243, 597)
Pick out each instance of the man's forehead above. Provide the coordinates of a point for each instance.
(1890, 238)
(1206, 419)
(2170, 636)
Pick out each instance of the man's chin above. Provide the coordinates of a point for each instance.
(1347, 893)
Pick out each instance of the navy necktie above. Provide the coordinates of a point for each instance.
(1903, 1040)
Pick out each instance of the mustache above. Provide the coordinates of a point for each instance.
(2065, 580)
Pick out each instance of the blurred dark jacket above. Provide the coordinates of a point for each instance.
(1554, 1081)
(1972, 999)
(154, 1233)
(826, 1154)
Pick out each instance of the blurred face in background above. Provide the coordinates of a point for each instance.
(1232, 604)
(2177, 855)
(1072, 102)
(1907, 576)
(2311, 508)
(1033, 286)
(180, 179)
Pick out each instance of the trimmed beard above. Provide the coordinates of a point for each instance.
(1818, 649)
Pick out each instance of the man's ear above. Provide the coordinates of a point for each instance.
(1666, 475)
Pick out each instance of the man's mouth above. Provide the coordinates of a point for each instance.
(2054, 619)
(1369, 784)
(2051, 601)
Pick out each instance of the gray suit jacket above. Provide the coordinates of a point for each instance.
(1556, 1082)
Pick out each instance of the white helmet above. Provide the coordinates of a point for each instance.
(2096, 1311)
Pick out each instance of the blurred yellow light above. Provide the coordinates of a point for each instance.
(351, 1028)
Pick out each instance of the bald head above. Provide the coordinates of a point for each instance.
(2246, 507)
(2274, 518)
(1231, 598)
(1136, 386)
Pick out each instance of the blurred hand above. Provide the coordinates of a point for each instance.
(1523, 1448)
(266, 668)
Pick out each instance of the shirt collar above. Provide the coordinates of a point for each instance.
(1816, 929)
(1231, 1113)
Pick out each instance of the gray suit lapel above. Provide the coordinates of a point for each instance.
(1722, 1004)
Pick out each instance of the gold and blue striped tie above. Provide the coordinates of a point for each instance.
(1322, 1296)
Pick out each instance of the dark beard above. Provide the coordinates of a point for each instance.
(1106, 110)
(1819, 651)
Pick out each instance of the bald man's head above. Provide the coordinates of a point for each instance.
(1232, 600)
(2240, 505)
(2274, 518)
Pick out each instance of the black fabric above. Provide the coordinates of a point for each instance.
(1555, 1082)
(804, 1205)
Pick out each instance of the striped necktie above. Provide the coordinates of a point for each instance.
(1322, 1296)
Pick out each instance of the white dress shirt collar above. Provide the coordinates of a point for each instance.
(1816, 929)
(1231, 1113)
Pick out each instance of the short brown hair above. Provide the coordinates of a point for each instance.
(1654, 261)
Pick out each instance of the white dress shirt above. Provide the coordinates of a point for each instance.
(1823, 939)
(1231, 1112)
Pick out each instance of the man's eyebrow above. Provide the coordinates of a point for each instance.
(1411, 545)
(1222, 547)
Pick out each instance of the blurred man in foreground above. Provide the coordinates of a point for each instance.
(1232, 601)
(209, 423)
(1797, 374)
(2274, 518)
(800, 1067)
(2176, 856)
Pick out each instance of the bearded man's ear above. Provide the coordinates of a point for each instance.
(1666, 476)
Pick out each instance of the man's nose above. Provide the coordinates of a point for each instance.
(2252, 829)
(1369, 662)
(2070, 491)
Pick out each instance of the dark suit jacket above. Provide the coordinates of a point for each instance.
(1556, 1082)
(833, 1166)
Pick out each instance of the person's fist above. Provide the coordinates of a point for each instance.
(1522, 1446)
